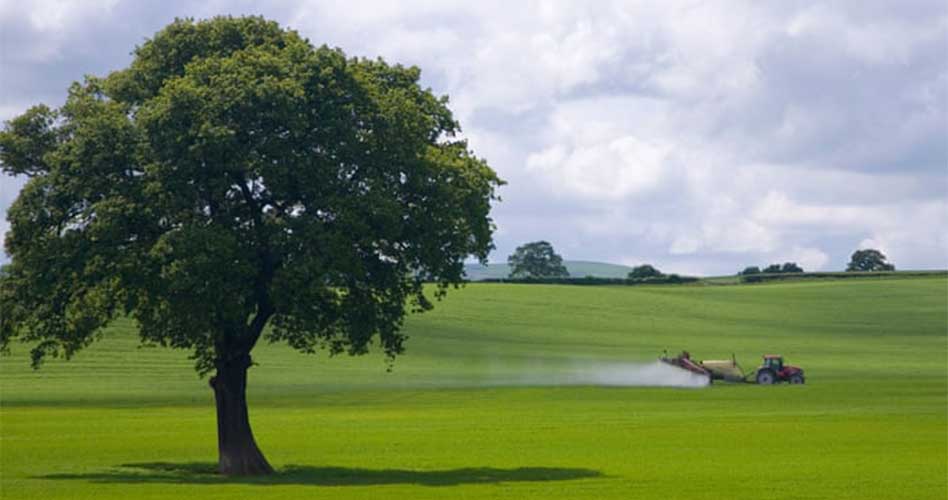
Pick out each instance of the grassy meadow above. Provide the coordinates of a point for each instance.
(472, 410)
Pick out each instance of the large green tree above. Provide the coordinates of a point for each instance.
(536, 260)
(869, 259)
(236, 182)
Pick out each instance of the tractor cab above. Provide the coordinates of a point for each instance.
(773, 361)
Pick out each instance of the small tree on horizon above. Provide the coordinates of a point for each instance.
(790, 267)
(536, 260)
(749, 270)
(644, 271)
(237, 183)
(868, 259)
(786, 267)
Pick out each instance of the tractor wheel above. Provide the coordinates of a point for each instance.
(797, 379)
(766, 377)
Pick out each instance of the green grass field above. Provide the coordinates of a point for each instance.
(459, 418)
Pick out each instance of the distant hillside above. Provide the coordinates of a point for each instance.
(576, 268)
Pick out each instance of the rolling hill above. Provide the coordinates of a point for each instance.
(486, 403)
(576, 268)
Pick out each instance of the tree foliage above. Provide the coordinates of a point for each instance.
(869, 260)
(644, 271)
(787, 267)
(790, 267)
(235, 176)
(536, 260)
(749, 270)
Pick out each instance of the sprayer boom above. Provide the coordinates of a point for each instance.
(771, 371)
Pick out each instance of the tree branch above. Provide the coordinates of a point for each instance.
(267, 267)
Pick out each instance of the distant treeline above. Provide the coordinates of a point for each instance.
(665, 279)
(674, 279)
(759, 278)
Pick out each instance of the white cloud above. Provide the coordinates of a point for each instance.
(4, 227)
(880, 41)
(704, 136)
(53, 23)
(608, 149)
(9, 187)
(810, 259)
(778, 209)
(610, 170)
(874, 243)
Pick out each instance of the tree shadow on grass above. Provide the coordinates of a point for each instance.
(204, 473)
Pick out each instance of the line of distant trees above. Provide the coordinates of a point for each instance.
(647, 273)
(786, 267)
(862, 260)
(538, 260)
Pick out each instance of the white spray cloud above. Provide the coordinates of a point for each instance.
(608, 374)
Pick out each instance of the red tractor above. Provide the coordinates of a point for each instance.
(773, 371)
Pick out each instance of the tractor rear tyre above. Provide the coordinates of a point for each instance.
(797, 379)
(766, 377)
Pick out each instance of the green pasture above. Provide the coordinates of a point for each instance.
(471, 410)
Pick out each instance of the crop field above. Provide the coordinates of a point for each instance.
(484, 405)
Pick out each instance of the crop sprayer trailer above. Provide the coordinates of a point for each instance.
(771, 371)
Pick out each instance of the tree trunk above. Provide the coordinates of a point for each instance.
(238, 454)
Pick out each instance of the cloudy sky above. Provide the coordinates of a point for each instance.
(697, 136)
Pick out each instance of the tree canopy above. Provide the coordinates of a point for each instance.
(869, 260)
(644, 271)
(536, 260)
(235, 177)
(790, 267)
(749, 270)
(787, 267)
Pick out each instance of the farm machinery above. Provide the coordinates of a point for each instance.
(771, 371)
